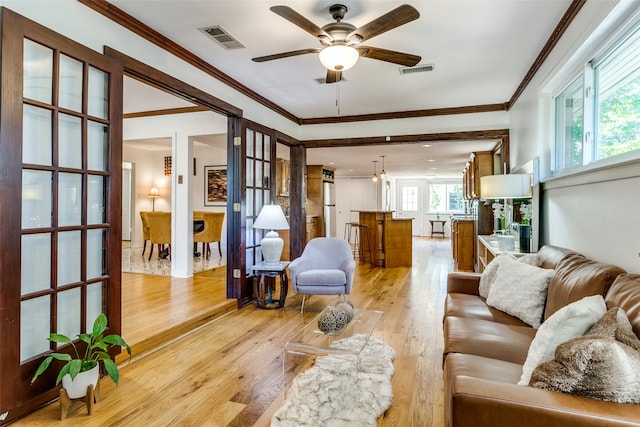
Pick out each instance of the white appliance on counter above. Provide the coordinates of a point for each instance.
(329, 209)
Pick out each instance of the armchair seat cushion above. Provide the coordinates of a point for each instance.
(322, 278)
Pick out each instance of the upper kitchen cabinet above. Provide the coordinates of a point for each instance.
(480, 164)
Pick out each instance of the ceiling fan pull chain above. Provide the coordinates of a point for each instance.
(338, 96)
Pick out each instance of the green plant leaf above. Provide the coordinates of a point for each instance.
(99, 325)
(112, 370)
(74, 368)
(64, 371)
(117, 340)
(102, 355)
(59, 338)
(85, 337)
(43, 367)
(100, 345)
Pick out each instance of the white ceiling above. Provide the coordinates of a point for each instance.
(480, 49)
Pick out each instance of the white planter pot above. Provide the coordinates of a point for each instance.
(77, 387)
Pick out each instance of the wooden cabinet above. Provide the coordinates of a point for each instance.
(312, 227)
(480, 164)
(282, 177)
(463, 243)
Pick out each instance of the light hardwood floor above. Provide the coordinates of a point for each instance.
(228, 371)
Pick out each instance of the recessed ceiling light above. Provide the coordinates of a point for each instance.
(426, 145)
(332, 163)
(430, 160)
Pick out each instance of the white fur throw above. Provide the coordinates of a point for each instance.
(520, 290)
(332, 393)
(604, 364)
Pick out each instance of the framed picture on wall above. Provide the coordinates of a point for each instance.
(215, 185)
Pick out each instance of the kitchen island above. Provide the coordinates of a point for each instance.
(390, 238)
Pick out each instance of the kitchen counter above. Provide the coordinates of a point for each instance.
(390, 238)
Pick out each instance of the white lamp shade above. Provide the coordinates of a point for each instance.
(339, 57)
(271, 217)
(512, 186)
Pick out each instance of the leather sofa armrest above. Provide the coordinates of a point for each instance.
(463, 283)
(484, 403)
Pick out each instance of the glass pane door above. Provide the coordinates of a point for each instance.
(61, 127)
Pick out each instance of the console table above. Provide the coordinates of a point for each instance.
(488, 250)
(433, 223)
(264, 288)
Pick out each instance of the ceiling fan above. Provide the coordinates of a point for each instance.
(341, 40)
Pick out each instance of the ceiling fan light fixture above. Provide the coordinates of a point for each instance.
(339, 57)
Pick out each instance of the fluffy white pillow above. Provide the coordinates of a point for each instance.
(489, 274)
(570, 321)
(520, 290)
(531, 259)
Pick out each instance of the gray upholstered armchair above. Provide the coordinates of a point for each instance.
(325, 267)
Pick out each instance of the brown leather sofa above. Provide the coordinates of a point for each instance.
(484, 350)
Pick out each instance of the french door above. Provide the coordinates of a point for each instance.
(60, 201)
(254, 169)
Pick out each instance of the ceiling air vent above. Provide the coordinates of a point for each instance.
(222, 37)
(416, 69)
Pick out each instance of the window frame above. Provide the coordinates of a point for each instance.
(587, 72)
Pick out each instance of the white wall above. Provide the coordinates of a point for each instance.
(354, 194)
(596, 216)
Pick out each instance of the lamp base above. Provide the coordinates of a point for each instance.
(272, 245)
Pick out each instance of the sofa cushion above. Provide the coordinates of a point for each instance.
(520, 290)
(569, 322)
(488, 339)
(322, 277)
(625, 293)
(577, 277)
(464, 305)
(488, 277)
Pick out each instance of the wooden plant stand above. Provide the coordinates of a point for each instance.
(92, 396)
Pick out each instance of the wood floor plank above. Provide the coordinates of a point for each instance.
(225, 367)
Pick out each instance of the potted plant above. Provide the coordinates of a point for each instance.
(83, 370)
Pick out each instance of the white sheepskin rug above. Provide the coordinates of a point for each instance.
(333, 393)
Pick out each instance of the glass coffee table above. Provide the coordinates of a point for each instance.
(309, 343)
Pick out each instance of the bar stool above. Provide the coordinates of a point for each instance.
(357, 230)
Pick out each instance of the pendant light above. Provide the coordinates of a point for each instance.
(374, 178)
(383, 173)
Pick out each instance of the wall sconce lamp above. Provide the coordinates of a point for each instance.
(153, 193)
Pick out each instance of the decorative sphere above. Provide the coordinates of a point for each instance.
(348, 308)
(327, 322)
(341, 316)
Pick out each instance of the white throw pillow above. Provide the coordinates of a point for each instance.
(531, 259)
(520, 290)
(570, 321)
(489, 274)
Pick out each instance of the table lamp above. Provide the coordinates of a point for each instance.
(512, 186)
(271, 218)
(153, 193)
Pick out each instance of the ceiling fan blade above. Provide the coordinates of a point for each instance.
(390, 20)
(392, 56)
(286, 54)
(334, 76)
(295, 18)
